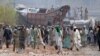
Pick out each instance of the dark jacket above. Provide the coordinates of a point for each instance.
(7, 34)
(22, 34)
(98, 35)
(46, 33)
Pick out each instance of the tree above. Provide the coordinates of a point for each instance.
(7, 14)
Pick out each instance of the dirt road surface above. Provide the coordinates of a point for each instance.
(50, 51)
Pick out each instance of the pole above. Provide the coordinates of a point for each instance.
(26, 21)
(14, 3)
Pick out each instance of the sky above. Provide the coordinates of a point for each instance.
(48, 3)
(92, 5)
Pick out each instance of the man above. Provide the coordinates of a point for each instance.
(77, 39)
(7, 35)
(28, 39)
(72, 37)
(22, 37)
(16, 39)
(1, 35)
(98, 36)
(40, 37)
(46, 33)
(58, 39)
(52, 35)
(34, 37)
(67, 39)
(83, 36)
(91, 35)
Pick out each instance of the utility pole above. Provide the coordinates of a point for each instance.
(81, 12)
(86, 13)
(14, 3)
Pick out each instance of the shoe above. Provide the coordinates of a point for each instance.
(70, 48)
(58, 52)
(44, 47)
(77, 49)
(56, 47)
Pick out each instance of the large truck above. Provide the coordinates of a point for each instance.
(41, 16)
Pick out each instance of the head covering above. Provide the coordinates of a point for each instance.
(84, 26)
(57, 27)
(75, 27)
(39, 25)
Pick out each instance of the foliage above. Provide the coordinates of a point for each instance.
(7, 15)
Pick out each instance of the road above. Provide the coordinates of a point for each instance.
(50, 51)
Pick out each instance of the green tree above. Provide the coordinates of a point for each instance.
(7, 14)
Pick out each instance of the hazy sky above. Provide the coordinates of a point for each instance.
(49, 3)
(92, 5)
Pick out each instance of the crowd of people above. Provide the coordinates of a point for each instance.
(70, 37)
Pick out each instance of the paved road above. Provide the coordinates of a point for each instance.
(87, 51)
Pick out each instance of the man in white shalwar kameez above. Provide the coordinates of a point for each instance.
(28, 40)
(40, 41)
(77, 39)
(58, 39)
